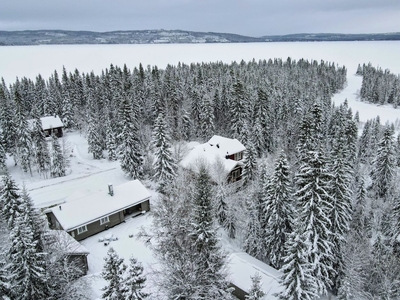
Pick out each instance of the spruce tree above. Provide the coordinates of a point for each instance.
(130, 149)
(23, 135)
(314, 205)
(221, 206)
(340, 214)
(41, 151)
(165, 167)
(11, 202)
(298, 277)
(26, 263)
(111, 146)
(210, 275)
(58, 163)
(250, 164)
(279, 211)
(3, 154)
(113, 272)
(135, 281)
(256, 292)
(398, 150)
(383, 170)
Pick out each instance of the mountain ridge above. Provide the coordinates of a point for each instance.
(161, 36)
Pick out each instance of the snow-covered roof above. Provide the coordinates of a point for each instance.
(51, 122)
(59, 239)
(48, 122)
(243, 266)
(217, 148)
(88, 209)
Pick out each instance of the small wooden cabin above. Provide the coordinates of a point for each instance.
(52, 124)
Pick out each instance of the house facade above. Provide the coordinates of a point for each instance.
(223, 155)
(100, 211)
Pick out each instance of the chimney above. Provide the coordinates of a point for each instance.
(59, 207)
(110, 189)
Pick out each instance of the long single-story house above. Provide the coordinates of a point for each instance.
(97, 212)
(243, 266)
(59, 245)
(223, 155)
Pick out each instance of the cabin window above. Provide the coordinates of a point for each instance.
(238, 156)
(55, 131)
(235, 175)
(73, 233)
(82, 229)
(104, 220)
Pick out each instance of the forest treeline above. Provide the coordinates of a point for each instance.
(316, 200)
(379, 86)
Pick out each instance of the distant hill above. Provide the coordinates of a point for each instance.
(57, 37)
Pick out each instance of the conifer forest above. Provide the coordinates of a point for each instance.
(319, 197)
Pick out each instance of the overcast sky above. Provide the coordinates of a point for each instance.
(246, 17)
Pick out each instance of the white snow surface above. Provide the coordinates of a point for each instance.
(90, 208)
(51, 122)
(217, 147)
(243, 266)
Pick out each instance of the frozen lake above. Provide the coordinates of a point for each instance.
(29, 61)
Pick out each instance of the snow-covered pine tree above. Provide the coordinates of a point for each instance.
(111, 145)
(278, 211)
(135, 281)
(186, 126)
(7, 119)
(231, 221)
(313, 182)
(250, 163)
(359, 210)
(298, 276)
(26, 264)
(210, 274)
(130, 149)
(3, 154)
(383, 169)
(398, 150)
(165, 166)
(23, 135)
(94, 137)
(238, 109)
(254, 241)
(256, 292)
(113, 272)
(221, 207)
(207, 117)
(58, 164)
(67, 111)
(41, 150)
(340, 214)
(32, 216)
(10, 200)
